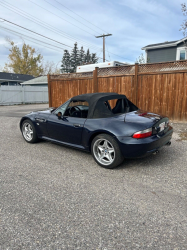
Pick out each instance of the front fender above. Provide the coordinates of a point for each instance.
(27, 117)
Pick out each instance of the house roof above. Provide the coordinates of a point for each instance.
(14, 77)
(37, 80)
(163, 45)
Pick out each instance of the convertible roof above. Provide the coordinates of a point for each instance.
(92, 97)
(97, 108)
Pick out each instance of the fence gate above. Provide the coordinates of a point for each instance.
(10, 95)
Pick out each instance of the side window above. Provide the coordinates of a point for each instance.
(182, 55)
(62, 108)
(119, 106)
(77, 109)
(112, 103)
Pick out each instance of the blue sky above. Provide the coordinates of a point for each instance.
(133, 24)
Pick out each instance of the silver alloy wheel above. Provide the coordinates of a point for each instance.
(27, 131)
(104, 152)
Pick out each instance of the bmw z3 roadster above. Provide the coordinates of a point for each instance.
(106, 124)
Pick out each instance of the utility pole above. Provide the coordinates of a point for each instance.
(103, 36)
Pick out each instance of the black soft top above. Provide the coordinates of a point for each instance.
(97, 107)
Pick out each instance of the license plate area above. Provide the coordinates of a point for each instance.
(162, 126)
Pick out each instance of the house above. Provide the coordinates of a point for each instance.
(11, 79)
(40, 81)
(166, 52)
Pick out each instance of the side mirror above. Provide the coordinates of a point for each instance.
(59, 115)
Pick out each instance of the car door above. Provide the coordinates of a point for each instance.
(65, 128)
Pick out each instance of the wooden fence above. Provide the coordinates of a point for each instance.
(158, 87)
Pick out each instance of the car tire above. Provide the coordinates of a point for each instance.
(106, 151)
(29, 132)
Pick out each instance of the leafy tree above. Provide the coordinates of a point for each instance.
(24, 61)
(141, 59)
(66, 62)
(74, 58)
(184, 24)
(50, 68)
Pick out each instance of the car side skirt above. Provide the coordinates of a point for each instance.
(64, 143)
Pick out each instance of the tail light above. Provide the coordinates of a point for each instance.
(143, 134)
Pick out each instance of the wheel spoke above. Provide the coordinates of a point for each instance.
(108, 157)
(105, 145)
(100, 148)
(110, 151)
(30, 128)
(102, 155)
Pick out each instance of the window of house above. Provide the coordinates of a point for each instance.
(182, 55)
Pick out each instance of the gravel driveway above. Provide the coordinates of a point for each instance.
(53, 197)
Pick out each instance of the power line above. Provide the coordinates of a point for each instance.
(13, 31)
(108, 51)
(35, 32)
(69, 15)
(39, 42)
(70, 38)
(60, 17)
(45, 25)
(79, 16)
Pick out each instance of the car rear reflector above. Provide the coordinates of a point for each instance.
(143, 134)
(143, 114)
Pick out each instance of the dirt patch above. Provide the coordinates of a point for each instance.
(183, 136)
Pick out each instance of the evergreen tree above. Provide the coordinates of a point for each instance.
(81, 56)
(87, 59)
(66, 62)
(77, 57)
(94, 59)
(74, 58)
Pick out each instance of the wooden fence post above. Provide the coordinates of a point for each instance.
(136, 83)
(95, 80)
(49, 90)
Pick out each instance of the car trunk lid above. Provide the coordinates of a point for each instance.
(159, 123)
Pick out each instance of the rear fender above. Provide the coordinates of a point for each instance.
(87, 142)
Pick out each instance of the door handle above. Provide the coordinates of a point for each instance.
(77, 125)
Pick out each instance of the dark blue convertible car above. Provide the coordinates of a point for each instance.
(107, 124)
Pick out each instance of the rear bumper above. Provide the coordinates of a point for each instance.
(132, 148)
